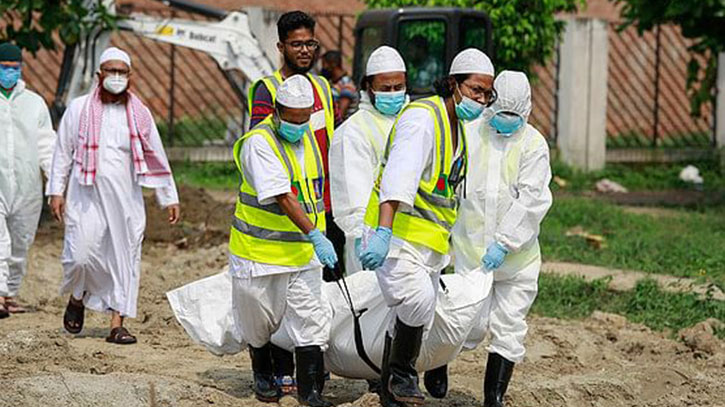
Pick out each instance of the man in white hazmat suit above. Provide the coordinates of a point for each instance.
(508, 196)
(108, 149)
(28, 139)
(412, 208)
(359, 144)
(277, 246)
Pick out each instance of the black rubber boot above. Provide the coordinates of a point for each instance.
(436, 381)
(498, 375)
(310, 376)
(265, 388)
(404, 352)
(284, 369)
(386, 399)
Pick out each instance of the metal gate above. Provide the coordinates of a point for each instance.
(647, 101)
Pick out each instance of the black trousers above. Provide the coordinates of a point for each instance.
(337, 237)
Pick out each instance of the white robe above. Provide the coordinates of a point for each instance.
(105, 222)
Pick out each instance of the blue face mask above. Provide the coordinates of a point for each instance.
(389, 103)
(468, 109)
(506, 124)
(292, 132)
(9, 76)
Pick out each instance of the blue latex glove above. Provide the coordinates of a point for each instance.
(494, 256)
(358, 247)
(378, 245)
(323, 248)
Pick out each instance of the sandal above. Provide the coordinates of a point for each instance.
(13, 307)
(4, 313)
(73, 317)
(121, 336)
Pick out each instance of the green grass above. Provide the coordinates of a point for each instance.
(634, 177)
(210, 175)
(573, 298)
(639, 176)
(686, 244)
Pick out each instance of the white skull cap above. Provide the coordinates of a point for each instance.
(296, 93)
(514, 93)
(115, 54)
(471, 60)
(383, 60)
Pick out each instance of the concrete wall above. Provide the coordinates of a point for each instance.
(583, 94)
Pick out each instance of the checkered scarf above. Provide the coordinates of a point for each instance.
(148, 166)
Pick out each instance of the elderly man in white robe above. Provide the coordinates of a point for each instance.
(108, 149)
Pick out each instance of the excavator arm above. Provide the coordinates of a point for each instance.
(229, 41)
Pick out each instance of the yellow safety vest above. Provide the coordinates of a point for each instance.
(320, 84)
(430, 220)
(264, 233)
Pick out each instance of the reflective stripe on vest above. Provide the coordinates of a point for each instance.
(251, 200)
(264, 233)
(431, 218)
(268, 234)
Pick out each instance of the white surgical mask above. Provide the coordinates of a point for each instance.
(115, 83)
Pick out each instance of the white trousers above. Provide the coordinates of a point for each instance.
(260, 303)
(504, 312)
(17, 232)
(410, 290)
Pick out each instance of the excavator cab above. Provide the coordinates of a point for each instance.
(427, 38)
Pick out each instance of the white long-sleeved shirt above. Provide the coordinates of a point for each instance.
(409, 161)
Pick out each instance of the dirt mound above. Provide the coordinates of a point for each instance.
(204, 221)
(701, 337)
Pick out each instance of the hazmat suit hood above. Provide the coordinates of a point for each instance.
(514, 94)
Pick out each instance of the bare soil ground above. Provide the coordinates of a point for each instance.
(601, 361)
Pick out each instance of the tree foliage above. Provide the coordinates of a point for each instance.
(702, 21)
(524, 31)
(31, 24)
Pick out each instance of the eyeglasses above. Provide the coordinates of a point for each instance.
(479, 92)
(312, 45)
(113, 71)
